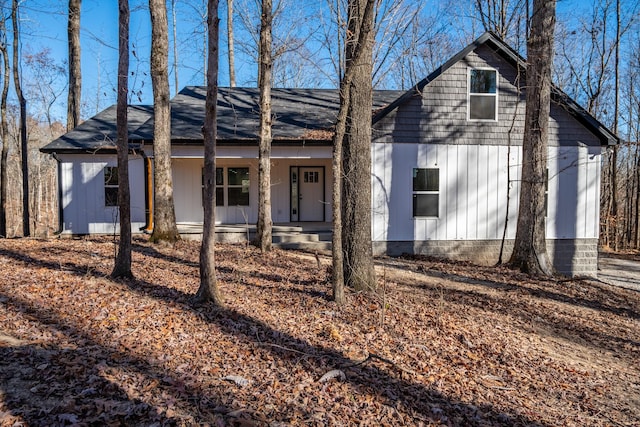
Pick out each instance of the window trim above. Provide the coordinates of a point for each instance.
(415, 192)
(481, 94)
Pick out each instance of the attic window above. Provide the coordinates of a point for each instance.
(483, 94)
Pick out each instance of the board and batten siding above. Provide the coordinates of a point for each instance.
(83, 195)
(477, 183)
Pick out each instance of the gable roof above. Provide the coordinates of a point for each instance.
(512, 57)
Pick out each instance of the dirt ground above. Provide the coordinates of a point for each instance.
(441, 343)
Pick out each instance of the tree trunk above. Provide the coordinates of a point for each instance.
(75, 77)
(4, 133)
(264, 225)
(530, 250)
(230, 46)
(164, 221)
(338, 138)
(208, 290)
(122, 266)
(356, 184)
(24, 143)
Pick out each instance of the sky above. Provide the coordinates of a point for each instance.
(44, 26)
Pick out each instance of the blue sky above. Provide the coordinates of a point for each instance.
(44, 25)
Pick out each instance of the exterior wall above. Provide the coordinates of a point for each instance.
(82, 186)
(478, 184)
(187, 181)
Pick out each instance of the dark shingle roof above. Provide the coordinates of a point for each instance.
(99, 132)
(300, 115)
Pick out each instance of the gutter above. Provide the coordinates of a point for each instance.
(148, 194)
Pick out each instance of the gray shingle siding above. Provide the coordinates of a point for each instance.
(439, 115)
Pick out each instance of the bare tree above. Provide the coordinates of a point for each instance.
(503, 17)
(24, 143)
(530, 250)
(264, 225)
(356, 183)
(75, 77)
(208, 290)
(164, 216)
(122, 267)
(45, 86)
(230, 46)
(4, 130)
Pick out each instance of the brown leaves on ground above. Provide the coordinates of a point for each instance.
(442, 344)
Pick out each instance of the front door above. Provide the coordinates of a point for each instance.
(307, 194)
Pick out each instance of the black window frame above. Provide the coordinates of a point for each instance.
(426, 192)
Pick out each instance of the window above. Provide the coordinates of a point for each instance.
(483, 94)
(311, 177)
(233, 192)
(426, 187)
(238, 187)
(111, 186)
(219, 187)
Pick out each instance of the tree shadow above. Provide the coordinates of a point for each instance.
(395, 388)
(559, 323)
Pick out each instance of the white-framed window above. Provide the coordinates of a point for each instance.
(426, 192)
(111, 186)
(232, 186)
(482, 99)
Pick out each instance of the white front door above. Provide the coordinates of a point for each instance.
(307, 193)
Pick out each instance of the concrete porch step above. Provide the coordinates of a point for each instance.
(320, 246)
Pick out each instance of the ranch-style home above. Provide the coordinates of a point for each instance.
(446, 160)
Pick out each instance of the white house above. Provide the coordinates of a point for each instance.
(446, 160)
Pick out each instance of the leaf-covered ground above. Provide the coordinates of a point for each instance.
(442, 344)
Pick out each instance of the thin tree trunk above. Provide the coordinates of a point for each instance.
(24, 143)
(356, 185)
(4, 132)
(175, 45)
(230, 46)
(75, 76)
(530, 249)
(208, 290)
(264, 225)
(164, 221)
(122, 266)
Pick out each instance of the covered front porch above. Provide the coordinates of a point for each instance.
(301, 182)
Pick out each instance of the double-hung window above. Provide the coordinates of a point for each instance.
(483, 94)
(426, 192)
(111, 186)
